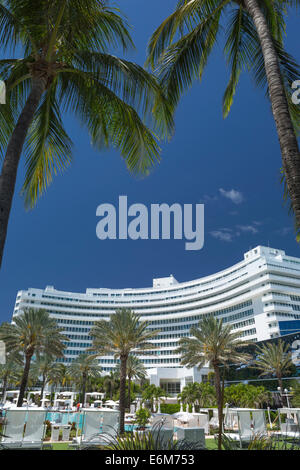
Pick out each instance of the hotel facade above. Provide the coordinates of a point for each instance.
(255, 296)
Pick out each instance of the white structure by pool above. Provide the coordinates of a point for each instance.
(253, 295)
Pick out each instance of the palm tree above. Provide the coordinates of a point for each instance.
(47, 369)
(123, 334)
(9, 370)
(214, 344)
(61, 377)
(274, 359)
(153, 393)
(66, 67)
(111, 383)
(135, 370)
(82, 369)
(32, 332)
(254, 33)
(190, 394)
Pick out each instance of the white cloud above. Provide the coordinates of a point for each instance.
(235, 196)
(283, 231)
(207, 198)
(247, 228)
(223, 234)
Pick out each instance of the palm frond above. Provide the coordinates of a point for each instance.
(110, 121)
(184, 61)
(48, 150)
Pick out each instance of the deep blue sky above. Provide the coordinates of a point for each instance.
(56, 244)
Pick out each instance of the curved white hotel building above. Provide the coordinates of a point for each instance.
(253, 295)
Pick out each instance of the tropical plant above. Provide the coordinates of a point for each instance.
(62, 376)
(9, 371)
(82, 369)
(151, 440)
(261, 443)
(111, 383)
(32, 332)
(189, 394)
(254, 40)
(134, 370)
(152, 393)
(142, 417)
(246, 396)
(215, 345)
(123, 334)
(202, 394)
(66, 67)
(274, 359)
(47, 370)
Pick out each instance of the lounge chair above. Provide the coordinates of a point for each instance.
(110, 422)
(194, 436)
(163, 437)
(98, 427)
(245, 431)
(259, 423)
(290, 429)
(13, 429)
(35, 429)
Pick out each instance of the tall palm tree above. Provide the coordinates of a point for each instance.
(215, 345)
(254, 33)
(123, 334)
(134, 370)
(274, 359)
(82, 369)
(32, 332)
(47, 369)
(66, 67)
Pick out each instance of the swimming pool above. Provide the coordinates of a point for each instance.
(65, 417)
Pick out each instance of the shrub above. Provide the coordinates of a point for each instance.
(142, 417)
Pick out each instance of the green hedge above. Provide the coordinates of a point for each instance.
(172, 408)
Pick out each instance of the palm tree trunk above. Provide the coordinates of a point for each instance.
(24, 380)
(123, 360)
(42, 390)
(11, 161)
(83, 389)
(219, 403)
(281, 390)
(129, 391)
(4, 386)
(286, 134)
